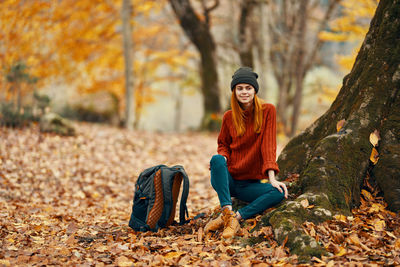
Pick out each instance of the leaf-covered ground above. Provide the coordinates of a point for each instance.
(67, 201)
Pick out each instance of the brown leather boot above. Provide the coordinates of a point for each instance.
(231, 224)
(214, 225)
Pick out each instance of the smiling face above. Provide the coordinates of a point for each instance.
(245, 94)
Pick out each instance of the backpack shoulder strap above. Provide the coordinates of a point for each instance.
(185, 193)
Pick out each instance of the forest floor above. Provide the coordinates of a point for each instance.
(67, 201)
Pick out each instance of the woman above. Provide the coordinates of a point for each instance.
(246, 156)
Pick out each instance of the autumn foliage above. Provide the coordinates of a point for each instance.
(79, 43)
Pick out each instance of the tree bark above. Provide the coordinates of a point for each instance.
(198, 32)
(126, 13)
(332, 164)
(245, 37)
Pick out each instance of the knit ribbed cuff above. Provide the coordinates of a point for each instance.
(270, 165)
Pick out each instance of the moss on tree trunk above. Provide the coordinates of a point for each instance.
(331, 164)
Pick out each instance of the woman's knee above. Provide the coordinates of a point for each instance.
(217, 160)
(278, 196)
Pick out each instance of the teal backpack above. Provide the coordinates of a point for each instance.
(156, 194)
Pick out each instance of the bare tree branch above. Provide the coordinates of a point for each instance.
(207, 10)
(319, 42)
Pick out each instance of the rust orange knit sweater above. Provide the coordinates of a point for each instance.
(251, 155)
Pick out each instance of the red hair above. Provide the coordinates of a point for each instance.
(238, 114)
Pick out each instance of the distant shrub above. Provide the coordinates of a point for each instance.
(88, 114)
(11, 117)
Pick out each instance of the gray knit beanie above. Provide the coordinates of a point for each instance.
(245, 75)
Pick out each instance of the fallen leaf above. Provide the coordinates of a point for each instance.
(123, 261)
(379, 225)
(5, 262)
(200, 234)
(353, 238)
(374, 156)
(367, 195)
(312, 232)
(374, 138)
(304, 203)
(342, 251)
(340, 124)
(173, 254)
(340, 217)
(397, 244)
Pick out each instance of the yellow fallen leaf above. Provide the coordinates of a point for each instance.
(397, 244)
(331, 263)
(367, 194)
(5, 262)
(340, 124)
(173, 254)
(340, 217)
(374, 156)
(379, 225)
(376, 207)
(342, 251)
(374, 138)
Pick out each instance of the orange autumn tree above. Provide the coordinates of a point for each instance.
(100, 53)
(22, 45)
(79, 43)
(351, 26)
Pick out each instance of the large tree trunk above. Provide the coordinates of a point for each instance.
(198, 32)
(332, 164)
(128, 56)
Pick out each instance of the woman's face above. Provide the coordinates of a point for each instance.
(245, 94)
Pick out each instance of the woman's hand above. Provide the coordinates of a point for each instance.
(278, 185)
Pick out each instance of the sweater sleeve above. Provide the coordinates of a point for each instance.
(224, 138)
(268, 149)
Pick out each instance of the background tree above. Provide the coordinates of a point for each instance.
(350, 27)
(197, 29)
(293, 52)
(246, 39)
(333, 159)
(79, 44)
(16, 76)
(128, 56)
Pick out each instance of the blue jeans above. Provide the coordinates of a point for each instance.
(260, 196)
